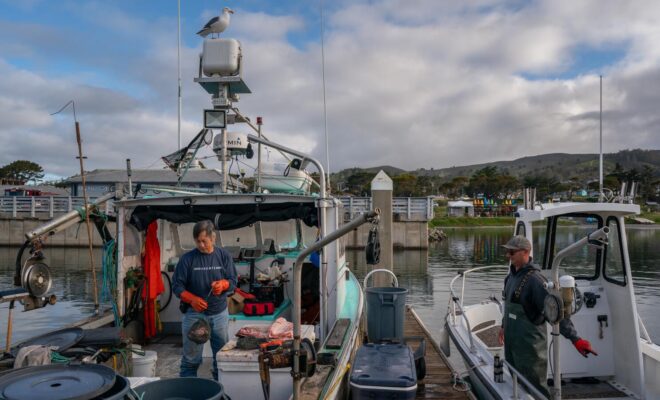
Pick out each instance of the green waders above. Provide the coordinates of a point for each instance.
(525, 346)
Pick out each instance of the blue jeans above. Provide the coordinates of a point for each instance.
(192, 352)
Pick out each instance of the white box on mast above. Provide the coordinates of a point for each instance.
(221, 57)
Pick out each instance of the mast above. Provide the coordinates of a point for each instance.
(600, 179)
(325, 113)
(178, 69)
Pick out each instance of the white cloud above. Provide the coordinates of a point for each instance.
(409, 83)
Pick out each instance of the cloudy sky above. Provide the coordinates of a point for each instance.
(409, 83)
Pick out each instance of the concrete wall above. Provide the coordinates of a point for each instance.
(406, 235)
(12, 233)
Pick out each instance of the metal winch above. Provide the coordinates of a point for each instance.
(280, 354)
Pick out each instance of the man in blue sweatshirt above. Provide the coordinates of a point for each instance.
(202, 279)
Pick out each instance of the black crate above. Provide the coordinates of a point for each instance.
(274, 294)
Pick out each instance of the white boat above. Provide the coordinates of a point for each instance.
(604, 309)
(283, 178)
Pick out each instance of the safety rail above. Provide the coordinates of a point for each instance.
(407, 206)
(457, 301)
(43, 206)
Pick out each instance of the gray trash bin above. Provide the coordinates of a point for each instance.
(385, 313)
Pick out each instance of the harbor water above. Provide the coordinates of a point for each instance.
(426, 275)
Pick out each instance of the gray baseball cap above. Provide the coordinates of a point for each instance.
(518, 243)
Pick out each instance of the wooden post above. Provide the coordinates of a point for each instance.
(13, 207)
(32, 207)
(381, 193)
(51, 207)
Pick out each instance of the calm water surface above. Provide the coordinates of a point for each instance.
(425, 273)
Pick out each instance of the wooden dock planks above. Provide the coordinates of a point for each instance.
(438, 383)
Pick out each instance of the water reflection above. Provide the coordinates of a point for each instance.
(72, 284)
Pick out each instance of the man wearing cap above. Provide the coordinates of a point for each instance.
(523, 332)
(202, 279)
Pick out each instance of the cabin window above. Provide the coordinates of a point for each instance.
(569, 229)
(614, 270)
(520, 229)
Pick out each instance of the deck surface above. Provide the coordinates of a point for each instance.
(438, 383)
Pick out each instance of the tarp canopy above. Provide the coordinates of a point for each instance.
(456, 204)
(225, 216)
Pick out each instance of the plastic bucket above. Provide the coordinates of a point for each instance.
(181, 389)
(385, 313)
(119, 391)
(145, 365)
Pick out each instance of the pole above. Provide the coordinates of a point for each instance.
(178, 68)
(325, 113)
(9, 327)
(258, 182)
(87, 222)
(600, 175)
(225, 175)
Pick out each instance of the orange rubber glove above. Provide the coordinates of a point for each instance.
(584, 347)
(198, 304)
(219, 286)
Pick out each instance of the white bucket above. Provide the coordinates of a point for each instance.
(145, 365)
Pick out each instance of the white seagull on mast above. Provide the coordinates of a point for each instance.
(217, 24)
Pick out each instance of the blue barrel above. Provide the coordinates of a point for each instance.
(385, 313)
(181, 389)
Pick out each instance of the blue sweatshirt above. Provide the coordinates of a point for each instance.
(196, 271)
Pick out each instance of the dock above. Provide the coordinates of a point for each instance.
(439, 380)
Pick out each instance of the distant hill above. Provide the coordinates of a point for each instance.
(563, 166)
(345, 173)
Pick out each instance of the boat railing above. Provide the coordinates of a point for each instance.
(517, 376)
(456, 302)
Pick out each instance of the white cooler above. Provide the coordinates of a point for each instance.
(239, 373)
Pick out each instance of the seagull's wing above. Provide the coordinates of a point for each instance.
(207, 28)
(211, 22)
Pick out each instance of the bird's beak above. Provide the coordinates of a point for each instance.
(230, 11)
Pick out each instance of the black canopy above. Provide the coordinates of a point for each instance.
(225, 216)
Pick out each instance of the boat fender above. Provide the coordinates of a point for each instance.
(444, 342)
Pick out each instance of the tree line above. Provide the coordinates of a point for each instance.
(491, 182)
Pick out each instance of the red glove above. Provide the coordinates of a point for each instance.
(219, 286)
(198, 304)
(584, 347)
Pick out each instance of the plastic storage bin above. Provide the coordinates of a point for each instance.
(383, 371)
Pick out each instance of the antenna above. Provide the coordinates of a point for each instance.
(178, 70)
(325, 112)
(600, 179)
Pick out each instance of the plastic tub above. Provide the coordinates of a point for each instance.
(145, 365)
(119, 391)
(386, 308)
(181, 389)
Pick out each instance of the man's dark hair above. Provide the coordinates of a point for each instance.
(203, 226)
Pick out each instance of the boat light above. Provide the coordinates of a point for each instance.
(215, 119)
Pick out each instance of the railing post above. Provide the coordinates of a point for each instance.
(408, 210)
(70, 206)
(13, 207)
(51, 207)
(350, 208)
(32, 206)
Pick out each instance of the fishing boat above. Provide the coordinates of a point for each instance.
(601, 304)
(271, 235)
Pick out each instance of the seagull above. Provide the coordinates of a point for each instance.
(217, 24)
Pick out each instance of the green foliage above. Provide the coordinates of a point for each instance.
(23, 171)
(491, 183)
